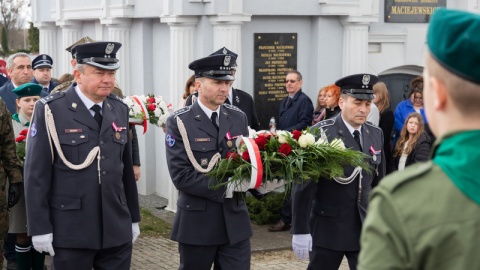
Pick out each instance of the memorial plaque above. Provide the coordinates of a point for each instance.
(275, 54)
(411, 11)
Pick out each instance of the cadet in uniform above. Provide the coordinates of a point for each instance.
(208, 225)
(336, 207)
(10, 170)
(236, 97)
(42, 72)
(428, 216)
(81, 194)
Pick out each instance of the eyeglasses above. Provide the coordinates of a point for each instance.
(417, 98)
(290, 81)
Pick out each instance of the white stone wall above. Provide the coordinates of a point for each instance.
(160, 38)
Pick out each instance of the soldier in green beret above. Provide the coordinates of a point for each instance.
(428, 216)
(10, 171)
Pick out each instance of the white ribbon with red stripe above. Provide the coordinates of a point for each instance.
(255, 160)
(144, 112)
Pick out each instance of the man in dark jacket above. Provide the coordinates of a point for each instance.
(296, 113)
(328, 213)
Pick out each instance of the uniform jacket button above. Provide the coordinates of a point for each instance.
(104, 172)
(188, 206)
(62, 206)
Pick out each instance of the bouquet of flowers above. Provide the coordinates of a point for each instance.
(20, 147)
(292, 156)
(147, 108)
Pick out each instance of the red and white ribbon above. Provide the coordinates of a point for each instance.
(144, 112)
(255, 160)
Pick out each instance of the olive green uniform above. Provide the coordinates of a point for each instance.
(10, 168)
(422, 219)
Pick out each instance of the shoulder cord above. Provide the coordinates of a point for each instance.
(192, 159)
(52, 131)
(344, 180)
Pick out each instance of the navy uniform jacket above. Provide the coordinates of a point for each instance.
(3, 79)
(242, 100)
(72, 204)
(204, 216)
(51, 85)
(9, 97)
(297, 115)
(337, 211)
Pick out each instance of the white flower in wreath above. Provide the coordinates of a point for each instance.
(338, 143)
(306, 140)
(252, 133)
(283, 135)
(321, 141)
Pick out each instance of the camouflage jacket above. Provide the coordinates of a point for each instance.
(10, 165)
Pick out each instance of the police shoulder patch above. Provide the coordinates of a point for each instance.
(52, 97)
(181, 111)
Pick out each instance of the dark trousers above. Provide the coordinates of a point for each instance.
(286, 213)
(118, 258)
(327, 259)
(234, 257)
(9, 247)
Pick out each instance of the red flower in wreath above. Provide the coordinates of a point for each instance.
(296, 134)
(24, 132)
(20, 138)
(246, 156)
(261, 141)
(232, 155)
(285, 149)
(150, 100)
(151, 107)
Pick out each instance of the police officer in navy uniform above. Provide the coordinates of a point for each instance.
(328, 214)
(42, 72)
(236, 97)
(82, 201)
(210, 224)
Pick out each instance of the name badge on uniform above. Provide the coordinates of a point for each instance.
(73, 130)
(202, 139)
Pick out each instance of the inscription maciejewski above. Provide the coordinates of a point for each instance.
(274, 55)
(411, 11)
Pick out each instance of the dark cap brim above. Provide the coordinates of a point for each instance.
(109, 66)
(42, 66)
(218, 77)
(361, 96)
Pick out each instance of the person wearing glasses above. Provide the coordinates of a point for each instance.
(296, 113)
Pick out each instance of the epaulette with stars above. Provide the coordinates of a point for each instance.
(181, 111)
(52, 97)
(325, 123)
(231, 107)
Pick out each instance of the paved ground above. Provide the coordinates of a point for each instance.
(269, 250)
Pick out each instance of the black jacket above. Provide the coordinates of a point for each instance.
(421, 152)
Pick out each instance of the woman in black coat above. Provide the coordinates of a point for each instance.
(413, 144)
(382, 100)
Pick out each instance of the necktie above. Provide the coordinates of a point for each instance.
(45, 89)
(356, 137)
(289, 100)
(214, 120)
(97, 116)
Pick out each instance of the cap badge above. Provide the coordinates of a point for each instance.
(109, 48)
(226, 60)
(365, 81)
(224, 50)
(44, 57)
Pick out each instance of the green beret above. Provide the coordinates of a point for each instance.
(28, 89)
(453, 40)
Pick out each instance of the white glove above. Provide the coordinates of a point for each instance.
(302, 244)
(236, 187)
(270, 186)
(135, 231)
(43, 243)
